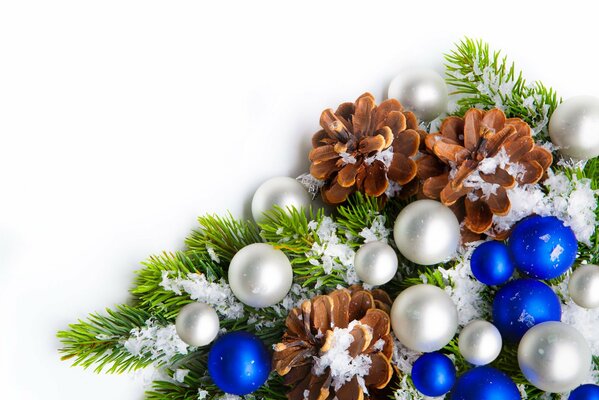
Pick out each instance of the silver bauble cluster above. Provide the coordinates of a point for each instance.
(197, 324)
(480, 342)
(375, 263)
(574, 127)
(282, 192)
(584, 286)
(421, 91)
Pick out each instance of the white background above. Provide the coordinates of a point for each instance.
(121, 121)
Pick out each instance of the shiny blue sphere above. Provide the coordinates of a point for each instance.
(543, 247)
(433, 374)
(522, 304)
(485, 383)
(239, 363)
(585, 392)
(492, 263)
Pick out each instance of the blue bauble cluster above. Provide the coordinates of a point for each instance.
(485, 383)
(585, 392)
(543, 247)
(522, 304)
(239, 363)
(492, 263)
(433, 374)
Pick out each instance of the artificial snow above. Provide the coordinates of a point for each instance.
(311, 184)
(377, 232)
(556, 252)
(180, 375)
(217, 294)
(343, 367)
(160, 343)
(213, 256)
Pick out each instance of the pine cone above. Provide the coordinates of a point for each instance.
(328, 334)
(473, 161)
(362, 147)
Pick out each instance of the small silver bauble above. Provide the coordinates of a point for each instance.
(574, 127)
(424, 318)
(584, 286)
(426, 232)
(480, 342)
(260, 275)
(197, 324)
(283, 192)
(554, 357)
(375, 263)
(422, 91)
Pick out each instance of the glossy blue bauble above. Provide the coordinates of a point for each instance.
(585, 392)
(485, 383)
(433, 374)
(522, 304)
(239, 363)
(543, 247)
(492, 263)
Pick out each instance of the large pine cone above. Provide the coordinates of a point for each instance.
(317, 347)
(362, 147)
(473, 161)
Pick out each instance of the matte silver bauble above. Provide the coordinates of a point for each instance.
(584, 286)
(281, 191)
(260, 275)
(426, 232)
(480, 342)
(574, 127)
(554, 357)
(375, 263)
(421, 91)
(197, 324)
(424, 318)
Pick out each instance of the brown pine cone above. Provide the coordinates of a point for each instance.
(473, 161)
(338, 346)
(362, 147)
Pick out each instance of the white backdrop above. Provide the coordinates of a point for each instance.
(121, 121)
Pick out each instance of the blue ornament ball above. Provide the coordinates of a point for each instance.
(433, 374)
(585, 392)
(522, 304)
(492, 263)
(239, 363)
(485, 383)
(543, 247)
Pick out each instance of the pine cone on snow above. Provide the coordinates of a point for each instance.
(338, 346)
(362, 147)
(473, 161)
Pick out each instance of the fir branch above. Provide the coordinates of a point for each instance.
(96, 342)
(485, 79)
(222, 236)
(288, 231)
(359, 212)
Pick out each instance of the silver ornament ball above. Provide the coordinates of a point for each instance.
(375, 263)
(574, 127)
(426, 232)
(424, 318)
(554, 357)
(197, 324)
(584, 286)
(480, 342)
(281, 191)
(422, 91)
(260, 275)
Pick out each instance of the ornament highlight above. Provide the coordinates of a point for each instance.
(260, 275)
(492, 263)
(543, 247)
(424, 318)
(282, 192)
(375, 263)
(522, 304)
(426, 232)
(433, 374)
(422, 91)
(197, 324)
(485, 383)
(554, 357)
(584, 286)
(239, 363)
(574, 125)
(480, 342)
(585, 392)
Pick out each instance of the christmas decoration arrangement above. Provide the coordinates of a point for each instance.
(455, 258)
